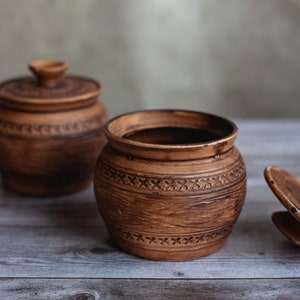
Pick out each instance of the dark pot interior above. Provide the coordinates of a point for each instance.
(172, 136)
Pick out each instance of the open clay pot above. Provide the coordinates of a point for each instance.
(170, 184)
(51, 131)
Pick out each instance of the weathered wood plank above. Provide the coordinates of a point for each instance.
(66, 238)
(82, 211)
(254, 250)
(255, 168)
(269, 138)
(74, 210)
(94, 289)
(267, 127)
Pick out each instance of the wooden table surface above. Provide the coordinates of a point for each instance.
(58, 248)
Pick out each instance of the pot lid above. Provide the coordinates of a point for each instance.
(286, 188)
(49, 90)
(287, 225)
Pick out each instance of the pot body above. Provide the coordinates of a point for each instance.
(158, 206)
(50, 153)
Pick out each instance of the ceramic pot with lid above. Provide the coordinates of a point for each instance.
(170, 185)
(51, 131)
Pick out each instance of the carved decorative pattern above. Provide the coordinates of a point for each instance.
(170, 184)
(161, 241)
(43, 130)
(27, 88)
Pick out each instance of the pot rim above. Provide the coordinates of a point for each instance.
(116, 128)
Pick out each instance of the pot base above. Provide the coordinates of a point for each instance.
(169, 247)
(42, 186)
(165, 255)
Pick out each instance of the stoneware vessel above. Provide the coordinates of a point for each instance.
(170, 184)
(51, 131)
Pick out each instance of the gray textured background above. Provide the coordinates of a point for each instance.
(230, 57)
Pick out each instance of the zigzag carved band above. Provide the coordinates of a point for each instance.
(170, 241)
(25, 130)
(171, 184)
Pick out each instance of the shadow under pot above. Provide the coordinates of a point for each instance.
(51, 131)
(170, 185)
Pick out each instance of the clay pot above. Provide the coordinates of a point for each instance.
(51, 131)
(170, 184)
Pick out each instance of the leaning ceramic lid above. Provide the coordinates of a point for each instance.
(49, 89)
(286, 188)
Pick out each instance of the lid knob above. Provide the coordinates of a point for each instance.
(48, 72)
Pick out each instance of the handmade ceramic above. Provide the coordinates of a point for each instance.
(286, 188)
(170, 184)
(51, 131)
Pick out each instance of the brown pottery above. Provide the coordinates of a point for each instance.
(286, 187)
(51, 131)
(170, 184)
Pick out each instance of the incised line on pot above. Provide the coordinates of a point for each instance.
(176, 242)
(24, 130)
(170, 183)
(26, 86)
